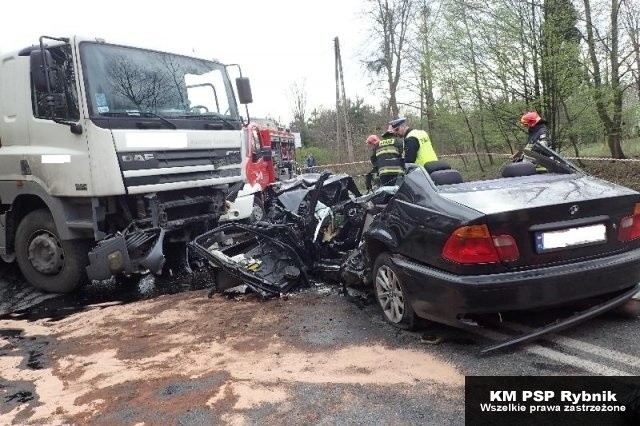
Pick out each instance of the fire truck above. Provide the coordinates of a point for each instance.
(271, 156)
(276, 159)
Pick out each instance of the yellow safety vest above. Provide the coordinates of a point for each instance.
(425, 150)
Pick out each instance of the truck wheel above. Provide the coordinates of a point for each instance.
(391, 294)
(47, 262)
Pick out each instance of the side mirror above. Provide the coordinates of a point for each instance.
(39, 64)
(244, 90)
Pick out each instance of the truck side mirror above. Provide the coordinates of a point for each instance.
(244, 90)
(39, 63)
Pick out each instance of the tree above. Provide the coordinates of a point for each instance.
(390, 24)
(299, 111)
(632, 26)
(559, 59)
(607, 94)
(424, 61)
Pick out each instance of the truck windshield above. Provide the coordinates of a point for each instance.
(129, 82)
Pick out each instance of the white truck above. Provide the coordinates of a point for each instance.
(110, 154)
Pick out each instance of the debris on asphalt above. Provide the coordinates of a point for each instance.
(431, 339)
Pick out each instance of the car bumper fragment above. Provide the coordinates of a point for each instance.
(575, 319)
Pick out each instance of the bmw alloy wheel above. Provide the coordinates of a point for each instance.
(390, 294)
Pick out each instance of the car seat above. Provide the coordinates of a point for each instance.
(523, 168)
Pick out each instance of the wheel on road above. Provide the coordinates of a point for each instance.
(46, 261)
(391, 294)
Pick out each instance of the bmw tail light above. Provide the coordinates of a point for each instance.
(506, 247)
(630, 226)
(475, 244)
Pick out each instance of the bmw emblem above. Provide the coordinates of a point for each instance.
(574, 209)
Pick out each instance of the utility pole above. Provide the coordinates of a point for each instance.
(336, 49)
(340, 83)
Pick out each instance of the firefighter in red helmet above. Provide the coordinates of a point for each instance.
(537, 128)
(386, 159)
(537, 135)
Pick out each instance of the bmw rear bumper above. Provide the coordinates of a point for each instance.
(444, 297)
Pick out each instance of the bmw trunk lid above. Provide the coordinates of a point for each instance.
(553, 218)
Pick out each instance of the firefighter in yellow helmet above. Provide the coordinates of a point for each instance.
(417, 144)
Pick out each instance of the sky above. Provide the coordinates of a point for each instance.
(276, 42)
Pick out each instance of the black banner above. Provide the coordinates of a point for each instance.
(566, 401)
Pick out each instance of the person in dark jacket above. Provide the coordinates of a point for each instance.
(537, 135)
(386, 158)
(417, 146)
(537, 127)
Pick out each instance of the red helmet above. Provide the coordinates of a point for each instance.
(530, 119)
(373, 140)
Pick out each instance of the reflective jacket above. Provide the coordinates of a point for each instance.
(388, 160)
(425, 150)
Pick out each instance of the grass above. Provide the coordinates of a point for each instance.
(630, 147)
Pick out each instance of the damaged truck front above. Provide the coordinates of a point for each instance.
(109, 155)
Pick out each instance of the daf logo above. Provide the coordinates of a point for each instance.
(574, 209)
(136, 157)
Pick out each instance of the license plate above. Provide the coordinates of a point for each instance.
(570, 237)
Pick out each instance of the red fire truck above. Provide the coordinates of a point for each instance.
(271, 157)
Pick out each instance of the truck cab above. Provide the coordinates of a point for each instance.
(109, 154)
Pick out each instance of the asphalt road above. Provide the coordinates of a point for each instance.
(162, 352)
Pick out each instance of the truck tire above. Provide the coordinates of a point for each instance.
(47, 262)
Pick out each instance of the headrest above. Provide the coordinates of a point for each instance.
(446, 177)
(434, 166)
(522, 168)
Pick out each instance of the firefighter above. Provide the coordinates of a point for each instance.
(537, 135)
(417, 144)
(537, 127)
(386, 159)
